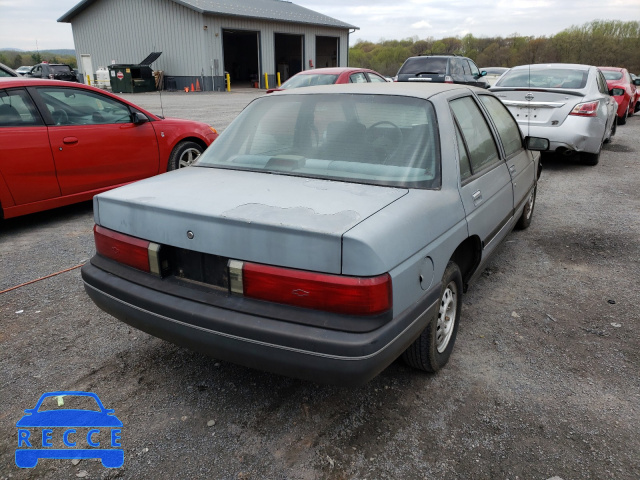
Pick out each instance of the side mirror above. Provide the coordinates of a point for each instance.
(139, 118)
(536, 144)
(483, 73)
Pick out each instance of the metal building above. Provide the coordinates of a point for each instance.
(200, 40)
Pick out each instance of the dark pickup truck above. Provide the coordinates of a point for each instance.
(53, 71)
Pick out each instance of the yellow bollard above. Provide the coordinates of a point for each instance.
(88, 80)
(228, 82)
(266, 81)
(278, 75)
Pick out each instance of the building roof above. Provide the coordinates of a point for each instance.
(274, 10)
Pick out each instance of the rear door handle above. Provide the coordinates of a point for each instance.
(69, 140)
(477, 198)
(512, 169)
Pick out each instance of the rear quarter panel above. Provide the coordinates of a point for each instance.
(423, 223)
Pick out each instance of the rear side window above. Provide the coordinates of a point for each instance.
(507, 127)
(17, 109)
(358, 78)
(463, 157)
(476, 134)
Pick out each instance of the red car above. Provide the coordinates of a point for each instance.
(329, 76)
(62, 143)
(624, 91)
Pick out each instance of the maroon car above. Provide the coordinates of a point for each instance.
(624, 91)
(329, 76)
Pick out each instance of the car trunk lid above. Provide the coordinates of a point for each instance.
(265, 218)
(539, 107)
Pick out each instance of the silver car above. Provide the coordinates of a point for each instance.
(328, 230)
(568, 104)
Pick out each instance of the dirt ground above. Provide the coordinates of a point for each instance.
(543, 381)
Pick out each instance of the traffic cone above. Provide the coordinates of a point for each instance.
(192, 88)
(198, 85)
(186, 89)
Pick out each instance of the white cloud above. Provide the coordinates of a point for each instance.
(422, 24)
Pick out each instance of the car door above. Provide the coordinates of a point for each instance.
(519, 161)
(485, 182)
(94, 142)
(26, 161)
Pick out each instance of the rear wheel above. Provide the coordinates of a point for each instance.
(432, 349)
(525, 219)
(591, 159)
(184, 154)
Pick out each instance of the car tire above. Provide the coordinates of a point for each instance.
(623, 119)
(527, 213)
(432, 349)
(183, 155)
(612, 132)
(590, 159)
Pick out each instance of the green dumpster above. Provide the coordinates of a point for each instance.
(131, 78)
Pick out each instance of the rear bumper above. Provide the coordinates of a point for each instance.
(265, 343)
(580, 134)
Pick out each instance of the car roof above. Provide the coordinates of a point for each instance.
(8, 82)
(438, 56)
(408, 89)
(333, 71)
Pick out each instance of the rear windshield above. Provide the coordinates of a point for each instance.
(609, 75)
(309, 81)
(376, 139)
(548, 78)
(424, 65)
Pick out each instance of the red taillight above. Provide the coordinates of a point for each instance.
(588, 109)
(122, 248)
(318, 291)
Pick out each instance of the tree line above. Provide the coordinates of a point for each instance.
(600, 43)
(15, 59)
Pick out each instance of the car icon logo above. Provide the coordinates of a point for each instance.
(69, 425)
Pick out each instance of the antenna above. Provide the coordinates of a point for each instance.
(529, 109)
(161, 107)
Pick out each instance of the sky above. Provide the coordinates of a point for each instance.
(25, 24)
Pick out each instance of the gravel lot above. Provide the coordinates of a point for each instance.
(543, 381)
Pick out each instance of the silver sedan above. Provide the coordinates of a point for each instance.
(328, 231)
(568, 104)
